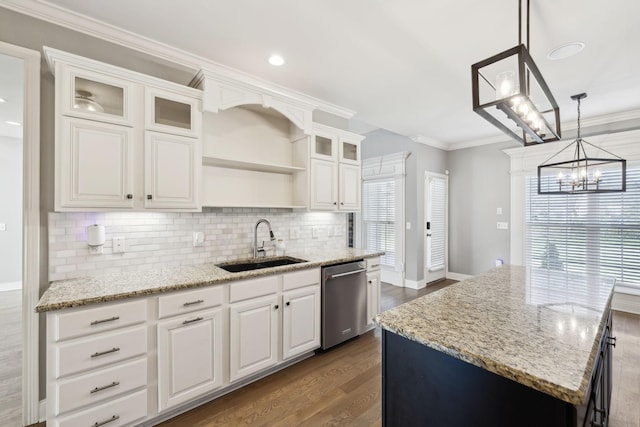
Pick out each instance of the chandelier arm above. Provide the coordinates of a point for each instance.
(599, 148)
(559, 152)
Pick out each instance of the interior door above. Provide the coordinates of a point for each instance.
(435, 226)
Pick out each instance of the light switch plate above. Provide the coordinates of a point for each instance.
(498, 211)
(198, 238)
(3, 227)
(502, 225)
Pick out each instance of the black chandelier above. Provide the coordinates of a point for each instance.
(510, 81)
(582, 173)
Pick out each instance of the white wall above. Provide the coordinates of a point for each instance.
(158, 240)
(11, 209)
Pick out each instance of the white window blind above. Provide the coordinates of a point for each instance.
(437, 221)
(379, 218)
(586, 233)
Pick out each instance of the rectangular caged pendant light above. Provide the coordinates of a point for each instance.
(510, 92)
(573, 170)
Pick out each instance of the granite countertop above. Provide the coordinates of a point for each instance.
(90, 290)
(536, 327)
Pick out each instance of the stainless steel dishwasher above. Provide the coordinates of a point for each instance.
(344, 302)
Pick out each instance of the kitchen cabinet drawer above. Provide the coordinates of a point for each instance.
(119, 412)
(95, 387)
(186, 302)
(89, 321)
(300, 279)
(94, 352)
(247, 289)
(373, 263)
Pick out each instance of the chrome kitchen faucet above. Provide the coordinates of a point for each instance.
(261, 251)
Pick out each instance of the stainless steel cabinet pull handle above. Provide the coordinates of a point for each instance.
(101, 423)
(348, 273)
(104, 387)
(187, 304)
(197, 319)
(111, 319)
(102, 353)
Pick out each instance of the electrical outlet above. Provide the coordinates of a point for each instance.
(315, 232)
(198, 238)
(3, 227)
(498, 211)
(330, 232)
(118, 245)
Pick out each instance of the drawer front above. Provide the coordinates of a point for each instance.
(248, 289)
(300, 279)
(93, 352)
(186, 302)
(119, 412)
(97, 319)
(95, 387)
(373, 263)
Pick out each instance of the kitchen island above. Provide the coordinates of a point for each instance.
(513, 346)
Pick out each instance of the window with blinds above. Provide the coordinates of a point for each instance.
(586, 233)
(379, 218)
(437, 222)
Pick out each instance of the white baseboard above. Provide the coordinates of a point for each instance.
(10, 286)
(392, 277)
(42, 411)
(414, 284)
(626, 302)
(457, 276)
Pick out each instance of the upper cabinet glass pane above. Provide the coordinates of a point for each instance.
(349, 151)
(96, 97)
(172, 113)
(324, 146)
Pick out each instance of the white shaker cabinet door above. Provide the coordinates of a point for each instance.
(94, 168)
(349, 188)
(189, 357)
(300, 321)
(254, 336)
(172, 171)
(323, 185)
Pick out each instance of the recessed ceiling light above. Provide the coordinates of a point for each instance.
(566, 50)
(2, 100)
(9, 122)
(276, 60)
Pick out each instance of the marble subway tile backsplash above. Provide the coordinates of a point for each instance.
(159, 239)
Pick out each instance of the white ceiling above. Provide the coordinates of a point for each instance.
(402, 65)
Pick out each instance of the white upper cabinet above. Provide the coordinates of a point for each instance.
(124, 140)
(334, 180)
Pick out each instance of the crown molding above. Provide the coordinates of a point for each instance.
(421, 139)
(186, 61)
(585, 124)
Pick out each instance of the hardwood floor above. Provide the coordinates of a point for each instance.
(11, 358)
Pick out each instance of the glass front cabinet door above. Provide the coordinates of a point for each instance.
(96, 96)
(172, 113)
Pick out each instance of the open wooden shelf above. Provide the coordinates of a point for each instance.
(250, 166)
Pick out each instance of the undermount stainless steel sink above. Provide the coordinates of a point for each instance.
(256, 264)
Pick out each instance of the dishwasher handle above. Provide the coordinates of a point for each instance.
(348, 273)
